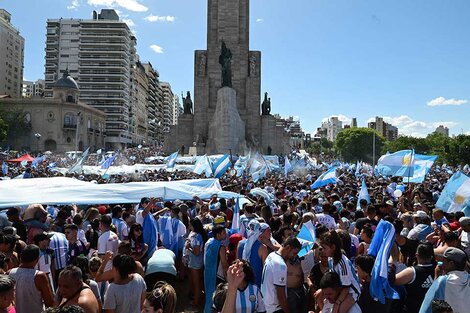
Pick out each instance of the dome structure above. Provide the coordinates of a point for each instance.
(66, 81)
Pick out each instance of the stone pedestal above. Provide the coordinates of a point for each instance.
(226, 128)
(274, 138)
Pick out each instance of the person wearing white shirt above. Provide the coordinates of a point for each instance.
(108, 241)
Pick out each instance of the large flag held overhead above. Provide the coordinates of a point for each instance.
(78, 166)
(379, 248)
(259, 174)
(241, 165)
(171, 160)
(307, 238)
(422, 166)
(400, 163)
(363, 194)
(456, 194)
(287, 166)
(329, 177)
(221, 166)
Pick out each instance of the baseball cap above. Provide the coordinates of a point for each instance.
(389, 202)
(10, 230)
(464, 221)
(455, 254)
(219, 220)
(420, 214)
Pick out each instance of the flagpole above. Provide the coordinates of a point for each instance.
(373, 147)
(411, 160)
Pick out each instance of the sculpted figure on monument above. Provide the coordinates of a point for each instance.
(225, 60)
(188, 104)
(266, 105)
(202, 64)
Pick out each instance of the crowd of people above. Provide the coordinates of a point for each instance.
(130, 257)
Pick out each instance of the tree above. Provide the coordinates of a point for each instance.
(320, 146)
(356, 144)
(420, 145)
(16, 124)
(3, 129)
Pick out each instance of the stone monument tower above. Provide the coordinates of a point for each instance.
(227, 110)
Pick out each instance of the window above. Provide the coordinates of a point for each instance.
(69, 120)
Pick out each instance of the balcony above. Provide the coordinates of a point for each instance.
(70, 126)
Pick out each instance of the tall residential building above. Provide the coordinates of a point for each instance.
(168, 106)
(354, 122)
(138, 117)
(99, 54)
(387, 130)
(332, 126)
(177, 109)
(442, 130)
(11, 57)
(155, 105)
(33, 89)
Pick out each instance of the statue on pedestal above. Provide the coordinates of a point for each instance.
(225, 60)
(266, 105)
(187, 104)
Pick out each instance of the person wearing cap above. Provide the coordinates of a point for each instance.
(422, 226)
(46, 255)
(465, 234)
(452, 287)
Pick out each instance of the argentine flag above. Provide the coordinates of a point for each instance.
(221, 166)
(236, 216)
(363, 194)
(287, 166)
(307, 238)
(203, 165)
(259, 174)
(329, 177)
(106, 164)
(422, 166)
(78, 166)
(456, 194)
(400, 163)
(241, 165)
(171, 160)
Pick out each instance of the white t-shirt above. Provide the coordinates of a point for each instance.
(328, 307)
(249, 300)
(274, 275)
(326, 220)
(108, 241)
(344, 269)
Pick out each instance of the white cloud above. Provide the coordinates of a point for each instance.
(131, 5)
(443, 101)
(259, 20)
(156, 48)
(155, 18)
(129, 22)
(341, 117)
(73, 5)
(409, 127)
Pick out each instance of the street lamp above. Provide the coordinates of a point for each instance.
(38, 137)
(77, 135)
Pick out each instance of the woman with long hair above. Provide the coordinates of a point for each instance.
(195, 245)
(339, 263)
(162, 299)
(126, 294)
(136, 239)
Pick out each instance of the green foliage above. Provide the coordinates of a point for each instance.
(3, 129)
(16, 124)
(320, 146)
(420, 145)
(356, 144)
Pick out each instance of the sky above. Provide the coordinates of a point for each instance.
(406, 61)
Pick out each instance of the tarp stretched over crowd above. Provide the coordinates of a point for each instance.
(62, 190)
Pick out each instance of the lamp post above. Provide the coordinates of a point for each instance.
(77, 135)
(38, 137)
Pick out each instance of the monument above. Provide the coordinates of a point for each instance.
(226, 116)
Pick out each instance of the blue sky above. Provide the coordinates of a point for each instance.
(405, 60)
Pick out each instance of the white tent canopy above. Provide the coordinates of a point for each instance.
(62, 190)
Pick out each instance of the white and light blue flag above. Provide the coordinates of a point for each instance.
(307, 238)
(287, 166)
(400, 163)
(422, 166)
(259, 174)
(171, 160)
(241, 165)
(24, 163)
(236, 216)
(203, 165)
(363, 194)
(329, 177)
(78, 166)
(106, 164)
(4, 168)
(456, 194)
(221, 166)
